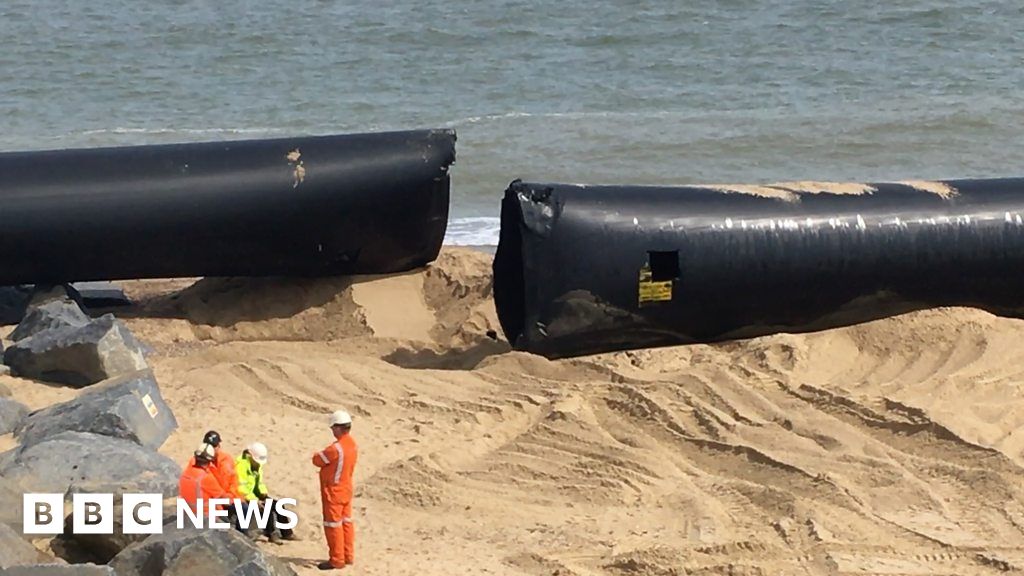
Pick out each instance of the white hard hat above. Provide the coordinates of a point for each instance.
(341, 417)
(258, 452)
(205, 451)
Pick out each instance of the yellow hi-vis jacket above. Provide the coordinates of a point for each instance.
(250, 482)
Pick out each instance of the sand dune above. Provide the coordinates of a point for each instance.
(893, 447)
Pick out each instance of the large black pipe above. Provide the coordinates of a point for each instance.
(307, 206)
(586, 269)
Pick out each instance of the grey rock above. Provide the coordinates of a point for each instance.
(77, 356)
(12, 414)
(101, 294)
(193, 551)
(10, 505)
(52, 314)
(129, 406)
(13, 301)
(73, 462)
(60, 570)
(15, 550)
(45, 293)
(103, 547)
(5, 370)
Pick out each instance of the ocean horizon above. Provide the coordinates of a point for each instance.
(652, 92)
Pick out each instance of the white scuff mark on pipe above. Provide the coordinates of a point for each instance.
(728, 223)
(861, 225)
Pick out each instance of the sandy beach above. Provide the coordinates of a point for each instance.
(894, 447)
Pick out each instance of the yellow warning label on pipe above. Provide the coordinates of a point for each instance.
(651, 291)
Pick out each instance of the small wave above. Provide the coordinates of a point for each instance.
(485, 118)
(565, 116)
(707, 117)
(473, 231)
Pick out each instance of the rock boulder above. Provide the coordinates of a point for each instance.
(101, 294)
(83, 462)
(128, 407)
(50, 315)
(45, 293)
(15, 550)
(102, 548)
(77, 356)
(61, 570)
(12, 414)
(10, 505)
(13, 300)
(192, 551)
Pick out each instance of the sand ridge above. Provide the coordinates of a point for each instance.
(893, 447)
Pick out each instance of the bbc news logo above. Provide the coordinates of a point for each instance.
(144, 514)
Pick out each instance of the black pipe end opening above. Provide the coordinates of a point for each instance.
(508, 269)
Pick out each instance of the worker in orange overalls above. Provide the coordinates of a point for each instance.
(198, 481)
(336, 464)
(223, 466)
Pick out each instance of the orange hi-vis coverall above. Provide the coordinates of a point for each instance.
(336, 463)
(224, 470)
(199, 482)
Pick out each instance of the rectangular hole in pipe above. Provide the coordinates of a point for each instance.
(664, 265)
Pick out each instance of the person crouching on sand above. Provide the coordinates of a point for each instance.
(223, 465)
(250, 466)
(197, 481)
(337, 462)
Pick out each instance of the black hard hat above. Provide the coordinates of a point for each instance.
(212, 438)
